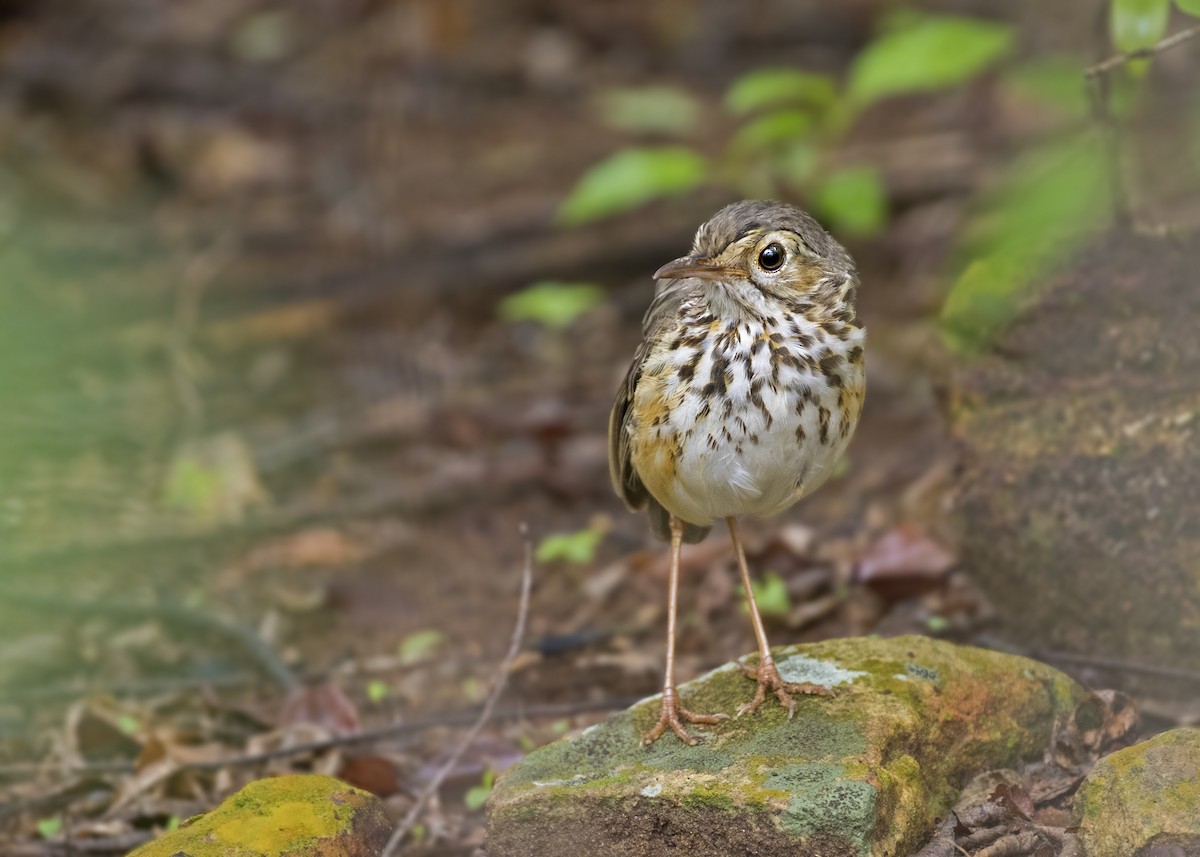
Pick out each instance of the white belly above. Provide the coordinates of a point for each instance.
(761, 446)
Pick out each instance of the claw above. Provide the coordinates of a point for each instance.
(672, 714)
(768, 677)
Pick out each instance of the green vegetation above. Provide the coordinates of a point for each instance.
(420, 645)
(577, 547)
(477, 796)
(1055, 195)
(551, 303)
(378, 691)
(771, 594)
(790, 121)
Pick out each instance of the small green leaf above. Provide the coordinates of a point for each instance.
(552, 303)
(578, 547)
(937, 624)
(48, 828)
(853, 201)
(771, 87)
(630, 178)
(771, 595)
(1191, 7)
(1136, 24)
(774, 129)
(378, 691)
(172, 824)
(931, 53)
(560, 727)
(420, 645)
(1050, 201)
(477, 796)
(653, 109)
(128, 724)
(192, 485)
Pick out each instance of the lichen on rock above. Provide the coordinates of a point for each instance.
(862, 772)
(290, 815)
(1143, 796)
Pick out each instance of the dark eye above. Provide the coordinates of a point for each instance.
(771, 258)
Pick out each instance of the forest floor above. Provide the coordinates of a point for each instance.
(268, 445)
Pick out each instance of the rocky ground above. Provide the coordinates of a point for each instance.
(268, 436)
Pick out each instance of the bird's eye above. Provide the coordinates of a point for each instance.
(771, 257)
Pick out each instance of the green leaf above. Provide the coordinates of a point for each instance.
(1191, 7)
(774, 129)
(932, 53)
(420, 645)
(579, 547)
(477, 796)
(48, 828)
(552, 303)
(378, 691)
(937, 624)
(172, 824)
(771, 87)
(128, 724)
(771, 595)
(1050, 202)
(1136, 24)
(630, 178)
(853, 201)
(653, 109)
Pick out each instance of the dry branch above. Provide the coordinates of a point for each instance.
(514, 649)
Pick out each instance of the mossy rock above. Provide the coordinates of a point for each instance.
(865, 771)
(1143, 798)
(1080, 443)
(300, 814)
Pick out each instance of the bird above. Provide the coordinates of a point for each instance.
(742, 395)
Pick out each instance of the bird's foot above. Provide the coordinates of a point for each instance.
(673, 713)
(768, 678)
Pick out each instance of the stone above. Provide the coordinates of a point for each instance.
(1144, 799)
(1080, 444)
(865, 771)
(296, 814)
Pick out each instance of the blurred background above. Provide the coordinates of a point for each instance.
(306, 307)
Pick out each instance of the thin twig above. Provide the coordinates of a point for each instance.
(514, 649)
(1142, 53)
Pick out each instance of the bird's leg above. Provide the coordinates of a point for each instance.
(673, 711)
(766, 673)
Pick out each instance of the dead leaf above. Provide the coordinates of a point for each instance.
(322, 705)
(903, 563)
(372, 773)
(1015, 799)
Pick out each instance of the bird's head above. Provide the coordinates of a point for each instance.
(773, 248)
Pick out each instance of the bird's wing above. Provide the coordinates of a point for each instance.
(663, 312)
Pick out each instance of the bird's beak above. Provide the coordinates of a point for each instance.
(690, 266)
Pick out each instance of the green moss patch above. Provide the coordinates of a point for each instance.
(1143, 795)
(298, 814)
(861, 772)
